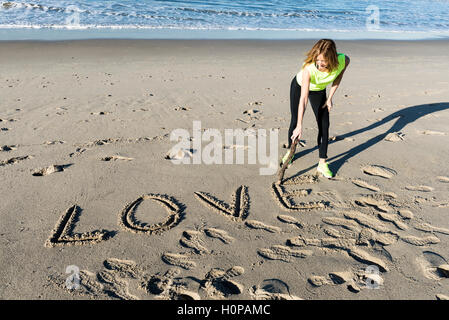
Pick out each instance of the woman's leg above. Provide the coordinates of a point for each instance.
(295, 94)
(317, 100)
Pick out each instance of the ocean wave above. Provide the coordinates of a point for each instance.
(301, 14)
(32, 6)
(96, 13)
(229, 28)
(221, 15)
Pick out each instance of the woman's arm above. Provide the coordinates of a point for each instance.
(305, 85)
(335, 84)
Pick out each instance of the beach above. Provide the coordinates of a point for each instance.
(87, 181)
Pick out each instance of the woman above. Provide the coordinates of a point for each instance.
(322, 66)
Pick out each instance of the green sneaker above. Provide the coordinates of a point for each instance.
(285, 157)
(323, 168)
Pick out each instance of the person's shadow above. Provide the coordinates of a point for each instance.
(403, 117)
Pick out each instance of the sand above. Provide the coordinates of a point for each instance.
(90, 199)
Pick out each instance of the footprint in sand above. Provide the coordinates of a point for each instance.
(77, 152)
(441, 205)
(180, 154)
(141, 109)
(443, 179)
(179, 260)
(347, 123)
(428, 228)
(100, 142)
(250, 112)
(405, 214)
(420, 200)
(443, 270)
(318, 281)
(219, 234)
(342, 222)
(111, 282)
(343, 277)
(191, 239)
(114, 285)
(8, 148)
(379, 171)
(377, 202)
(123, 268)
(290, 220)
(254, 224)
(89, 285)
(424, 241)
(160, 284)
(272, 289)
(345, 244)
(50, 169)
(363, 184)
(283, 253)
(382, 227)
(334, 233)
(14, 160)
(179, 108)
(432, 133)
(429, 263)
(420, 188)
(168, 287)
(115, 280)
(8, 120)
(236, 147)
(101, 113)
(115, 158)
(54, 142)
(339, 278)
(394, 137)
(370, 221)
(217, 283)
(394, 219)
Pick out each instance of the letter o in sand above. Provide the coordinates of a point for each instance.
(175, 213)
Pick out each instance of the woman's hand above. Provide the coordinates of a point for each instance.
(328, 105)
(296, 133)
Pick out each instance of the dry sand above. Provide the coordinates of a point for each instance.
(85, 181)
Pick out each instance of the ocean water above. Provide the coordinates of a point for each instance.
(341, 19)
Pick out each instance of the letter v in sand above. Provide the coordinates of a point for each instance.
(239, 209)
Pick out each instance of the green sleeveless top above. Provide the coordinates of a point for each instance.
(319, 80)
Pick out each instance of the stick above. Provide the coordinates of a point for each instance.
(292, 153)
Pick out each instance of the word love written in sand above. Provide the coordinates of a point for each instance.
(63, 233)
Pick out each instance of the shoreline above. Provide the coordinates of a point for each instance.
(49, 34)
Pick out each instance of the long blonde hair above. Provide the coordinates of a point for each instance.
(326, 47)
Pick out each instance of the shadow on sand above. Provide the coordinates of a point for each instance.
(403, 117)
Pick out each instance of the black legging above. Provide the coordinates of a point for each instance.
(317, 100)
